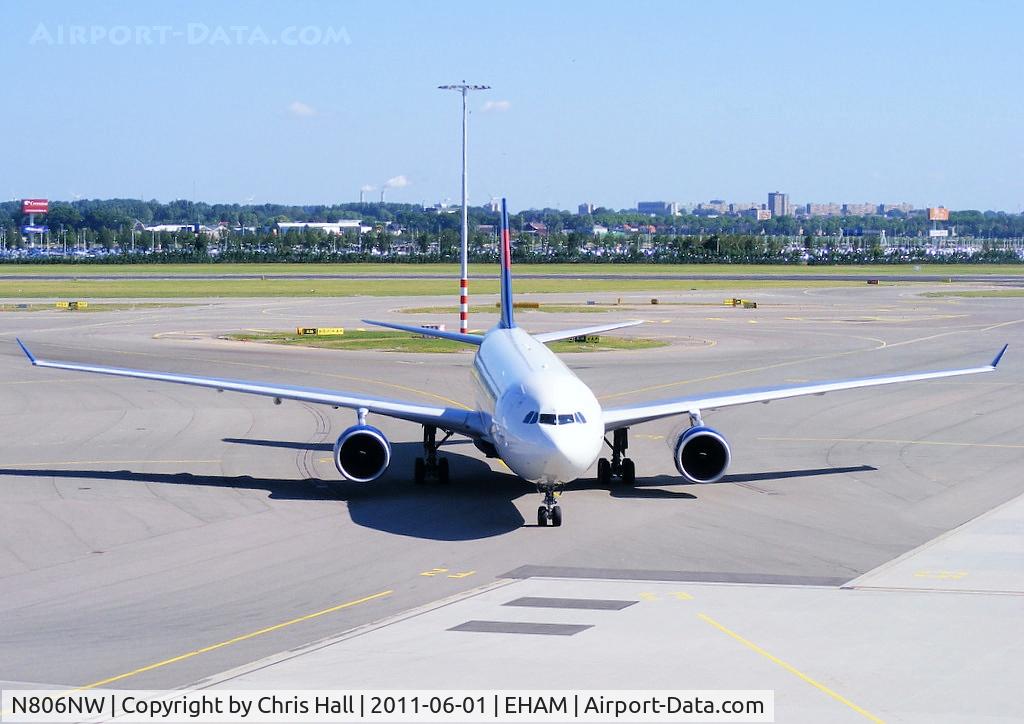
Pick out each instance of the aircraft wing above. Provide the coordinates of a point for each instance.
(582, 331)
(476, 339)
(466, 422)
(619, 417)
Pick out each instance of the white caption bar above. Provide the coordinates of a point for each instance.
(206, 706)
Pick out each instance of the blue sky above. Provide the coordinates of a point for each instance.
(598, 101)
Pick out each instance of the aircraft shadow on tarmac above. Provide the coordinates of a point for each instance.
(762, 477)
(477, 503)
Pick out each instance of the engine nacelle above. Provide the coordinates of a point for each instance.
(362, 453)
(702, 455)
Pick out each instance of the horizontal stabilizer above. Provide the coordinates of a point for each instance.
(441, 334)
(583, 331)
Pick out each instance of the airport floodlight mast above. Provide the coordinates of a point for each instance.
(464, 88)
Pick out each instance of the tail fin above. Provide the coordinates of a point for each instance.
(506, 321)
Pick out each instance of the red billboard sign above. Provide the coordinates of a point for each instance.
(35, 206)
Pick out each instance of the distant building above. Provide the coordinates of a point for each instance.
(829, 209)
(329, 227)
(762, 214)
(169, 228)
(864, 209)
(539, 228)
(778, 203)
(658, 208)
(714, 206)
(904, 208)
(742, 207)
(495, 206)
(218, 230)
(585, 209)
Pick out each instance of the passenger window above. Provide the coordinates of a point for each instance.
(580, 419)
(566, 419)
(547, 419)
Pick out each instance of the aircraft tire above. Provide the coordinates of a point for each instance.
(628, 472)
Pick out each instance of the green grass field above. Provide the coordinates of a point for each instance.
(408, 342)
(84, 288)
(577, 278)
(94, 307)
(477, 270)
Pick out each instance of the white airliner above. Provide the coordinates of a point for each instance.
(532, 411)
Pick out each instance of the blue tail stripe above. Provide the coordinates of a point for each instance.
(507, 321)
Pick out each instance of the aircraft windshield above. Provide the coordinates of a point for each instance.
(549, 418)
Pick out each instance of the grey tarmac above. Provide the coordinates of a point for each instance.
(152, 536)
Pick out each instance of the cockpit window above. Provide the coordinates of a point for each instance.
(548, 418)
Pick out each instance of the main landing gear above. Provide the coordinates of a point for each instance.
(432, 467)
(549, 511)
(621, 468)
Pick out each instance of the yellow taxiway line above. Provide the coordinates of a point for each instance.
(790, 668)
(235, 640)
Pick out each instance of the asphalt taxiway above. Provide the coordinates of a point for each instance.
(154, 535)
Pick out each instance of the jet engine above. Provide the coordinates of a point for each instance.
(362, 453)
(702, 455)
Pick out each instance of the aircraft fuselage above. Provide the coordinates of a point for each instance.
(545, 423)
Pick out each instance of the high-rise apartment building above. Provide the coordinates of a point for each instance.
(778, 203)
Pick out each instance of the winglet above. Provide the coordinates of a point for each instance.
(24, 349)
(995, 362)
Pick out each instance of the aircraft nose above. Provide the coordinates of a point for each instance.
(570, 454)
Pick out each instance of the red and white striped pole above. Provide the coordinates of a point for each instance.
(463, 89)
(464, 251)
(464, 305)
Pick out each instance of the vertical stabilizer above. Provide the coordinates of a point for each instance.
(506, 271)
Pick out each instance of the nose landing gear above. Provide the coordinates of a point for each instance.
(432, 466)
(549, 511)
(621, 468)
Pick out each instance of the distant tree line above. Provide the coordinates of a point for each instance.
(428, 236)
(112, 214)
